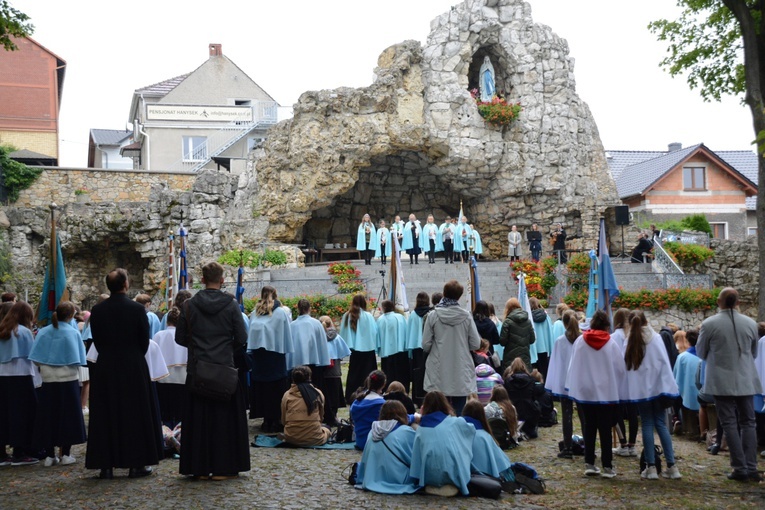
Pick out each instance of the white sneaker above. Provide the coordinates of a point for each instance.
(622, 451)
(633, 452)
(591, 470)
(608, 472)
(649, 473)
(50, 461)
(85, 411)
(672, 473)
(67, 459)
(446, 491)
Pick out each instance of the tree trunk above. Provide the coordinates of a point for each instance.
(754, 55)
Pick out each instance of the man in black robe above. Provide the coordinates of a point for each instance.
(124, 429)
(215, 441)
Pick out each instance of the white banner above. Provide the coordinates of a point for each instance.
(199, 113)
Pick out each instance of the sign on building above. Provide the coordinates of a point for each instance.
(199, 113)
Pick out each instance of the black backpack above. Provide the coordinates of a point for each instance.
(501, 433)
(656, 459)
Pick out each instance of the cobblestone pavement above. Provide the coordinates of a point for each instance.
(305, 478)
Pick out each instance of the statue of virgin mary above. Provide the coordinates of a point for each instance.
(486, 80)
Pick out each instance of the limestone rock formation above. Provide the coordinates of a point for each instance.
(413, 141)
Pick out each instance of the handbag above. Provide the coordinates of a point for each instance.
(213, 381)
(344, 433)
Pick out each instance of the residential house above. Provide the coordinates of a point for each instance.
(673, 184)
(31, 85)
(104, 147)
(209, 118)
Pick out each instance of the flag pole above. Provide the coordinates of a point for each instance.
(170, 287)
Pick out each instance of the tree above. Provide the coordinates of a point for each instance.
(13, 23)
(721, 45)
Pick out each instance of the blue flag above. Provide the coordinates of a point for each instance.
(606, 289)
(54, 285)
(240, 288)
(475, 287)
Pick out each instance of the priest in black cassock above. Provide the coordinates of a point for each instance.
(124, 429)
(215, 443)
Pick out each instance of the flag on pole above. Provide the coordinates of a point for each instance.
(170, 287)
(239, 283)
(608, 290)
(183, 276)
(54, 286)
(475, 290)
(397, 285)
(523, 297)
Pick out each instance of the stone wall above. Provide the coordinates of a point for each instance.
(100, 186)
(736, 264)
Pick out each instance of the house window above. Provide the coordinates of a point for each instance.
(694, 178)
(751, 231)
(194, 148)
(719, 230)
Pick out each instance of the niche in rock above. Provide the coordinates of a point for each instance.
(502, 66)
(397, 184)
(95, 259)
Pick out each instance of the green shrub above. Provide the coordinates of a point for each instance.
(688, 255)
(690, 300)
(697, 223)
(579, 271)
(16, 176)
(334, 307)
(253, 259)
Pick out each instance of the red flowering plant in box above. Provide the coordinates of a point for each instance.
(497, 111)
(533, 276)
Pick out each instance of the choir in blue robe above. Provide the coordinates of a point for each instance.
(363, 345)
(58, 347)
(476, 243)
(414, 331)
(416, 241)
(383, 248)
(382, 471)
(361, 236)
(443, 451)
(431, 231)
(391, 339)
(462, 233)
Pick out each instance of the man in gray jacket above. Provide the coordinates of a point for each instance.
(728, 342)
(450, 336)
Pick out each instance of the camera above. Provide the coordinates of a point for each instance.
(382, 272)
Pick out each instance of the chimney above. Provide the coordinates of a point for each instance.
(216, 50)
(674, 146)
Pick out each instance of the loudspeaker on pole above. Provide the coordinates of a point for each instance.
(622, 213)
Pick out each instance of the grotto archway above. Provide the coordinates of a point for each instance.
(395, 184)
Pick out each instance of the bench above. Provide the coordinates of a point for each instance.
(339, 251)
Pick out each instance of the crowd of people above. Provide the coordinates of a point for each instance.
(453, 390)
(455, 237)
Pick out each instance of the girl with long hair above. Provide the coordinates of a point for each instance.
(627, 410)
(18, 400)
(649, 377)
(359, 330)
(366, 407)
(488, 457)
(269, 340)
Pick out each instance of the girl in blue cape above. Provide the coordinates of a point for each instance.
(462, 238)
(366, 239)
(432, 239)
(391, 339)
(17, 384)
(384, 466)
(269, 341)
(59, 352)
(359, 330)
(488, 457)
(384, 243)
(475, 242)
(366, 408)
(443, 448)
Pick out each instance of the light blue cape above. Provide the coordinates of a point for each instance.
(391, 334)
(58, 347)
(442, 454)
(364, 339)
(380, 471)
(361, 239)
(270, 332)
(17, 346)
(310, 342)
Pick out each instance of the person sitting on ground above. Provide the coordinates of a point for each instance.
(443, 448)
(488, 457)
(484, 355)
(366, 408)
(302, 411)
(548, 415)
(396, 391)
(501, 410)
(486, 378)
(524, 391)
(384, 466)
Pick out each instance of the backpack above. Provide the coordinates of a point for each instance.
(656, 458)
(501, 433)
(344, 433)
(527, 478)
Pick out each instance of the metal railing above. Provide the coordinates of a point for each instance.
(264, 114)
(672, 275)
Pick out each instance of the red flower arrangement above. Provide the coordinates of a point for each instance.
(497, 111)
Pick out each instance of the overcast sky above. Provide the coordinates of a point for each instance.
(113, 48)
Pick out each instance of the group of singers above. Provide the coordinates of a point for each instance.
(455, 237)
(534, 239)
